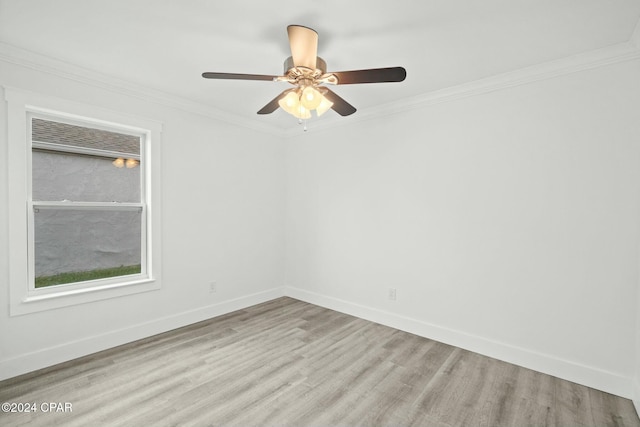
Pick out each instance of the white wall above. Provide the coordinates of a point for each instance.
(223, 198)
(507, 222)
(636, 385)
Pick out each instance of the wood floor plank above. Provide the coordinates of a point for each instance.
(289, 363)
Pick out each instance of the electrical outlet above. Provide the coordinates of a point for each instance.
(392, 294)
(213, 287)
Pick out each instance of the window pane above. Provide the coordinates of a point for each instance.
(80, 163)
(61, 176)
(73, 245)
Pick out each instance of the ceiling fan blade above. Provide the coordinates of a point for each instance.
(236, 76)
(273, 104)
(372, 75)
(340, 106)
(304, 46)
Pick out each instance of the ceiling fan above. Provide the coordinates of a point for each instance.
(308, 74)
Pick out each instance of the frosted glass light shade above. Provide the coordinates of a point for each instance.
(324, 106)
(302, 113)
(300, 102)
(290, 103)
(311, 98)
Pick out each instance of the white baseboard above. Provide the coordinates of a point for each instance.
(586, 375)
(61, 353)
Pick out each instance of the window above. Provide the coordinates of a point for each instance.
(88, 187)
(87, 204)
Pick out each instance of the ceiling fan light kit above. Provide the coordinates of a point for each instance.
(308, 73)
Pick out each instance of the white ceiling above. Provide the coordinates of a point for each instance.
(165, 45)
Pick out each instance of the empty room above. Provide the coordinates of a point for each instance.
(320, 213)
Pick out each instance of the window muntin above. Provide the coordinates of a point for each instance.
(87, 207)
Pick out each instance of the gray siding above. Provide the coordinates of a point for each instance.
(79, 240)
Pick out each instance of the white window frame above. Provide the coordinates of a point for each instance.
(24, 297)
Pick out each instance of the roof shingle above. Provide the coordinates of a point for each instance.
(79, 136)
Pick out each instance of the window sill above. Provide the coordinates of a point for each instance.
(64, 298)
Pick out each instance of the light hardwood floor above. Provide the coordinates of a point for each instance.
(289, 363)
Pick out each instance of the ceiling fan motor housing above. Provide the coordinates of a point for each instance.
(289, 68)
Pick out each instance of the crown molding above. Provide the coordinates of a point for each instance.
(572, 64)
(584, 61)
(46, 64)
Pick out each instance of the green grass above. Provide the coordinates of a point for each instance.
(83, 276)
